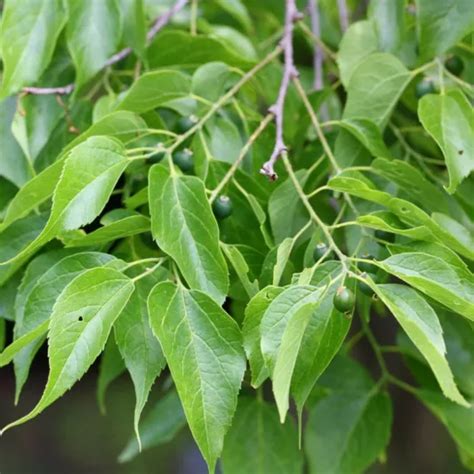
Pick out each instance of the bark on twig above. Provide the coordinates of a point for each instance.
(289, 72)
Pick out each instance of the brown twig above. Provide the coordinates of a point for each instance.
(289, 72)
(159, 23)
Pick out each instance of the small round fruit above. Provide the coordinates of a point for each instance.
(185, 123)
(222, 207)
(364, 287)
(320, 251)
(366, 266)
(385, 236)
(344, 299)
(454, 65)
(424, 87)
(184, 160)
(156, 157)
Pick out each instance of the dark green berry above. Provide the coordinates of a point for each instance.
(184, 160)
(364, 287)
(454, 65)
(185, 123)
(366, 266)
(156, 157)
(320, 251)
(222, 207)
(385, 236)
(424, 87)
(344, 299)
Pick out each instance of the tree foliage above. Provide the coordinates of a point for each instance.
(221, 196)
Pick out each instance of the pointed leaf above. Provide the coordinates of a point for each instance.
(203, 348)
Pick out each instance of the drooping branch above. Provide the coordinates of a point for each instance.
(343, 15)
(318, 55)
(159, 23)
(289, 72)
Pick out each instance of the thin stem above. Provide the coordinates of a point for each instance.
(401, 384)
(329, 52)
(193, 21)
(343, 15)
(226, 97)
(353, 341)
(141, 261)
(317, 191)
(312, 213)
(318, 54)
(316, 124)
(289, 72)
(257, 132)
(148, 271)
(159, 23)
(375, 347)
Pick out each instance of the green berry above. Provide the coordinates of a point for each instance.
(385, 236)
(156, 157)
(320, 250)
(454, 65)
(184, 160)
(185, 123)
(424, 87)
(366, 266)
(344, 299)
(222, 207)
(364, 287)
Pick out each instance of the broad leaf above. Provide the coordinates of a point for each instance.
(203, 348)
(140, 350)
(251, 332)
(78, 333)
(422, 326)
(36, 306)
(28, 35)
(93, 34)
(450, 285)
(449, 119)
(349, 428)
(258, 443)
(184, 227)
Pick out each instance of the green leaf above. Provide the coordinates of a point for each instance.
(449, 119)
(34, 122)
(13, 163)
(173, 48)
(422, 326)
(154, 89)
(441, 24)
(241, 268)
(238, 10)
(375, 87)
(258, 443)
(93, 34)
(458, 420)
(388, 20)
(131, 225)
(348, 429)
(323, 337)
(287, 214)
(111, 367)
(358, 42)
(78, 333)
(140, 350)
(160, 426)
(450, 285)
(15, 239)
(203, 348)
(251, 332)
(28, 35)
(184, 227)
(122, 125)
(134, 24)
(87, 180)
(36, 306)
(408, 212)
(368, 134)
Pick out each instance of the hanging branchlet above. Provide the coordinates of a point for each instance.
(289, 72)
(318, 55)
(159, 23)
(343, 15)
